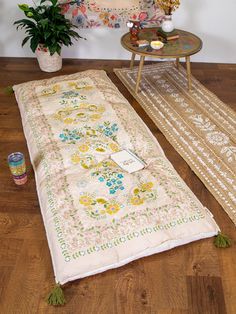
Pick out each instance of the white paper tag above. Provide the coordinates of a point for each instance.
(128, 161)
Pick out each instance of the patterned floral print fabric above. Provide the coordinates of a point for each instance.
(113, 14)
(96, 215)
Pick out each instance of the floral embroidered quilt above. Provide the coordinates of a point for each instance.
(96, 215)
(112, 14)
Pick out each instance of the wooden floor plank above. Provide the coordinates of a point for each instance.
(194, 278)
(213, 301)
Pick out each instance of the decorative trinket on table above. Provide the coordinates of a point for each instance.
(16, 162)
(134, 28)
(168, 35)
(142, 43)
(156, 44)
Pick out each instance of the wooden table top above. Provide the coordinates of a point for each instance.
(186, 45)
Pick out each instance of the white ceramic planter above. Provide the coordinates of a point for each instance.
(167, 25)
(48, 63)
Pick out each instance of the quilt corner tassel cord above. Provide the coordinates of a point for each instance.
(56, 296)
(8, 90)
(222, 241)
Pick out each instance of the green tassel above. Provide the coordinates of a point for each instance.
(56, 297)
(222, 241)
(9, 90)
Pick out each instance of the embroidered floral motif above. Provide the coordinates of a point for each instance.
(99, 208)
(50, 90)
(202, 122)
(230, 152)
(72, 94)
(85, 161)
(90, 14)
(107, 172)
(70, 136)
(82, 112)
(143, 192)
(217, 138)
(109, 129)
(80, 85)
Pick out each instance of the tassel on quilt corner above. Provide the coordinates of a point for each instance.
(222, 241)
(8, 90)
(56, 296)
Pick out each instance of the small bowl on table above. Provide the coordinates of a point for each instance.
(156, 44)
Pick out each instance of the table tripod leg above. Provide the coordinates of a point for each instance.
(139, 73)
(132, 61)
(177, 63)
(188, 72)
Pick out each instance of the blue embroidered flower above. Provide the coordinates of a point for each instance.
(70, 136)
(109, 129)
(111, 178)
(70, 94)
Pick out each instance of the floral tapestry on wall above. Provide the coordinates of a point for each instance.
(113, 14)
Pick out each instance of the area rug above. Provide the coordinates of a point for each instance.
(198, 125)
(96, 215)
(112, 14)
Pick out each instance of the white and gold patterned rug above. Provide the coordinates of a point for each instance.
(96, 215)
(198, 125)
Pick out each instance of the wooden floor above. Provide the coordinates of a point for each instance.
(194, 278)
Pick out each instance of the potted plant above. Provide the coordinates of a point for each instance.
(47, 30)
(168, 6)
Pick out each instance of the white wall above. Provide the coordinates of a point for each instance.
(212, 20)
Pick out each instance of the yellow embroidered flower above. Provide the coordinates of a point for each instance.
(101, 109)
(86, 200)
(72, 84)
(83, 148)
(88, 162)
(80, 114)
(91, 132)
(92, 108)
(57, 116)
(100, 149)
(83, 106)
(136, 191)
(136, 201)
(68, 120)
(50, 90)
(114, 147)
(95, 116)
(101, 200)
(56, 88)
(112, 208)
(147, 186)
(75, 158)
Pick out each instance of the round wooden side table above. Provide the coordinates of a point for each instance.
(186, 45)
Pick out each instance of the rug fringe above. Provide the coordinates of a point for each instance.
(222, 241)
(56, 296)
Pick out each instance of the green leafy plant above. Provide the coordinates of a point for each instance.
(46, 25)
